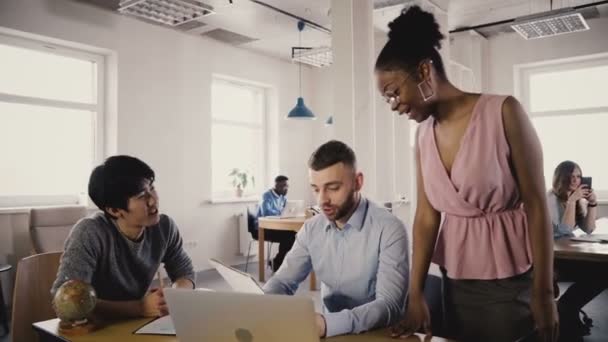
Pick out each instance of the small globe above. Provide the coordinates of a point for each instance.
(74, 301)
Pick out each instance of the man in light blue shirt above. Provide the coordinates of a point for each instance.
(273, 203)
(357, 249)
(274, 200)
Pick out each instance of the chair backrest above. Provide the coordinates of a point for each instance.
(32, 294)
(252, 220)
(50, 226)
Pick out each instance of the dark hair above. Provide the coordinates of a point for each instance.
(280, 178)
(414, 36)
(561, 184)
(330, 153)
(118, 178)
(561, 178)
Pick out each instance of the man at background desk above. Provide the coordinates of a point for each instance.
(273, 203)
(358, 250)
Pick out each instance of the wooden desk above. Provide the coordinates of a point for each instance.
(382, 335)
(291, 224)
(114, 332)
(123, 331)
(565, 249)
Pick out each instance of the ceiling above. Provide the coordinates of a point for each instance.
(257, 27)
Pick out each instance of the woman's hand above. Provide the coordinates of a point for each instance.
(581, 192)
(591, 197)
(545, 316)
(416, 318)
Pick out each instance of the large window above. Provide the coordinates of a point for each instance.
(50, 114)
(568, 105)
(238, 135)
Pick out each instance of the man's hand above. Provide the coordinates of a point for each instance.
(153, 304)
(321, 327)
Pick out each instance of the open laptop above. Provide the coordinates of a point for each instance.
(241, 317)
(238, 281)
(292, 209)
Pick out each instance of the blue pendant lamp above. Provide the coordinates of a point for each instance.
(330, 121)
(300, 111)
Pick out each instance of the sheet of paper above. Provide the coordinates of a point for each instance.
(159, 326)
(601, 226)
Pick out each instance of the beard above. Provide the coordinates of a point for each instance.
(346, 208)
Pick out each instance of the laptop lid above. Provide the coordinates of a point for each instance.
(238, 281)
(293, 208)
(241, 317)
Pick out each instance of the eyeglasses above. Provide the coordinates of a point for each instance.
(392, 96)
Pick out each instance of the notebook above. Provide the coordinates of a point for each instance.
(160, 326)
(599, 238)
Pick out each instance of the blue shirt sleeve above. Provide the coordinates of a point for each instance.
(392, 280)
(264, 205)
(560, 229)
(270, 205)
(295, 268)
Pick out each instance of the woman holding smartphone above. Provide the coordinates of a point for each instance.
(573, 205)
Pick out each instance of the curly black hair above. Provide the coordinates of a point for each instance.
(413, 37)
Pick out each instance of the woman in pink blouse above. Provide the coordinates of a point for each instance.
(479, 163)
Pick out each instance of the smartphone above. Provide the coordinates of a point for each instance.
(586, 181)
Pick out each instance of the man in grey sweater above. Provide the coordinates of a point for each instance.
(119, 250)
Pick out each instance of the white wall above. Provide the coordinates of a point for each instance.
(507, 50)
(392, 151)
(163, 106)
(468, 65)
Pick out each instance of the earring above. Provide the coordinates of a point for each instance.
(425, 97)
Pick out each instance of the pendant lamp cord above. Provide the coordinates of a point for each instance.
(300, 63)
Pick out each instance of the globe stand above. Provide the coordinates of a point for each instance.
(74, 303)
(77, 328)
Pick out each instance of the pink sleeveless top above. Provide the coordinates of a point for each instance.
(484, 234)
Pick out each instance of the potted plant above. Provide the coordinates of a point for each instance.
(241, 179)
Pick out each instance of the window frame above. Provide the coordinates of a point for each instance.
(523, 72)
(52, 46)
(263, 126)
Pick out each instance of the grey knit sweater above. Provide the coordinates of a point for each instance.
(120, 269)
